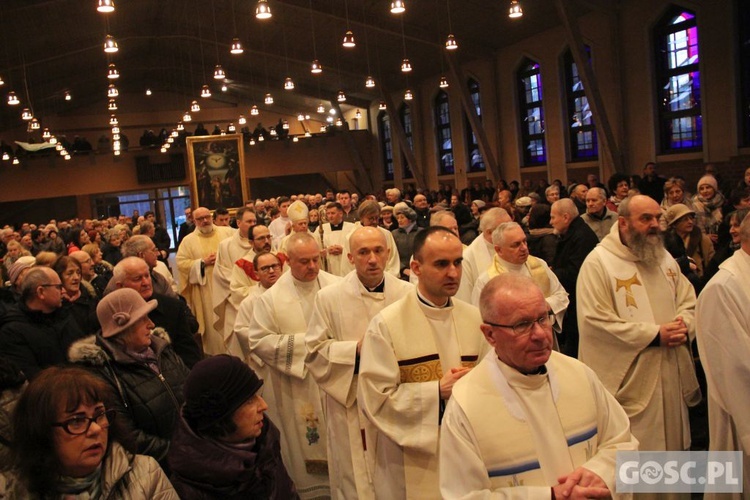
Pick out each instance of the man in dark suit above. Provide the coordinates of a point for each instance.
(186, 227)
(577, 239)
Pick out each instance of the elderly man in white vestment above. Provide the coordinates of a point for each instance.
(413, 352)
(195, 262)
(528, 422)
(635, 317)
(512, 256)
(478, 256)
(333, 235)
(298, 217)
(277, 336)
(723, 317)
(334, 340)
(231, 249)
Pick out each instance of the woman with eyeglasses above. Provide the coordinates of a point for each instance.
(140, 365)
(67, 444)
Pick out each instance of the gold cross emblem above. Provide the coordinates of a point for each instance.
(671, 273)
(626, 284)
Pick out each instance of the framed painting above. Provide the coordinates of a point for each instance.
(217, 171)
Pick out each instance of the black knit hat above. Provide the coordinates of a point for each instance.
(215, 388)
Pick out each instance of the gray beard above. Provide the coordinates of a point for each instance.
(649, 248)
(206, 229)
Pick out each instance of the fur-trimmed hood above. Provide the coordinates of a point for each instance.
(96, 351)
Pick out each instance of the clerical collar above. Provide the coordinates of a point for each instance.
(429, 303)
(378, 289)
(337, 227)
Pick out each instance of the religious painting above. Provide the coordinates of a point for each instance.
(217, 171)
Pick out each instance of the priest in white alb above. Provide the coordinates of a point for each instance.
(512, 256)
(369, 216)
(636, 319)
(334, 341)
(478, 255)
(298, 218)
(231, 249)
(277, 336)
(244, 276)
(278, 226)
(723, 316)
(268, 267)
(413, 352)
(333, 235)
(528, 422)
(195, 262)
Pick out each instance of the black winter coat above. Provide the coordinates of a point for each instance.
(205, 469)
(147, 403)
(34, 340)
(176, 318)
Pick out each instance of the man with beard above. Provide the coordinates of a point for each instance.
(244, 275)
(635, 316)
(195, 261)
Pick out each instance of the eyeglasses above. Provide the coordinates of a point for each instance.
(201, 219)
(265, 269)
(59, 286)
(525, 327)
(80, 424)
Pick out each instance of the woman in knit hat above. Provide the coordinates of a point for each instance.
(140, 364)
(707, 204)
(224, 445)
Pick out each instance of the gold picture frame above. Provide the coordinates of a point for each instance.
(217, 171)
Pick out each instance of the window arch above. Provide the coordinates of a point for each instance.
(475, 160)
(404, 114)
(386, 144)
(582, 142)
(678, 82)
(744, 53)
(529, 80)
(443, 134)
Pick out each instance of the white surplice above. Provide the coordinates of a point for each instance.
(337, 265)
(196, 282)
(510, 435)
(225, 311)
(340, 318)
(723, 317)
(477, 258)
(277, 336)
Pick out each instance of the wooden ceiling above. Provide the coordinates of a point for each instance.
(55, 46)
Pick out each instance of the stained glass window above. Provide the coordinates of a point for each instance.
(443, 134)
(532, 114)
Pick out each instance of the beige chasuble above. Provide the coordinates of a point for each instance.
(196, 282)
(406, 350)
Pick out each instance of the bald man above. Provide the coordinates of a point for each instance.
(334, 342)
(277, 336)
(413, 352)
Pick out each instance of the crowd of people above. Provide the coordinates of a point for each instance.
(505, 338)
